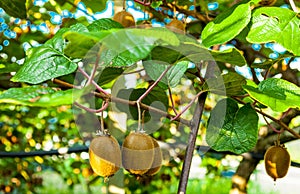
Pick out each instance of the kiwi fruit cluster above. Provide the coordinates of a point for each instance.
(277, 161)
(140, 155)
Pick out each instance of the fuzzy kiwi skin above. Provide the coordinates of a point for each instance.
(105, 155)
(176, 26)
(277, 161)
(157, 161)
(137, 153)
(125, 18)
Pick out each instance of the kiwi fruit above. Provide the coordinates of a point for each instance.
(137, 153)
(105, 155)
(157, 161)
(125, 18)
(277, 161)
(176, 26)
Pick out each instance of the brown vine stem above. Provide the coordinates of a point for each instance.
(194, 125)
(108, 97)
(191, 144)
(279, 122)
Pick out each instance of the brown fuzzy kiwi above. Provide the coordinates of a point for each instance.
(156, 165)
(137, 153)
(277, 161)
(125, 18)
(105, 155)
(176, 26)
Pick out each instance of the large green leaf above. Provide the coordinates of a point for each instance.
(14, 8)
(173, 76)
(127, 46)
(47, 61)
(274, 24)
(39, 96)
(278, 94)
(226, 25)
(235, 129)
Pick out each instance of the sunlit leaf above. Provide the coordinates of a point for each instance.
(46, 62)
(275, 24)
(278, 94)
(226, 25)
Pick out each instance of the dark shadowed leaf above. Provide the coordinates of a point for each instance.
(235, 129)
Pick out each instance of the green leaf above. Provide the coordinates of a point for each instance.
(231, 82)
(47, 61)
(232, 56)
(103, 24)
(226, 25)
(81, 43)
(109, 74)
(156, 98)
(155, 68)
(95, 5)
(197, 53)
(14, 8)
(274, 24)
(235, 129)
(166, 54)
(127, 46)
(278, 94)
(39, 96)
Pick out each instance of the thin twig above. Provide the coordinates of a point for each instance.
(188, 106)
(273, 128)
(93, 82)
(93, 110)
(153, 85)
(90, 79)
